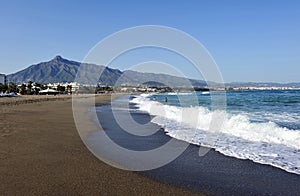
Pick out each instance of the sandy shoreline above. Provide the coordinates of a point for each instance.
(214, 173)
(42, 153)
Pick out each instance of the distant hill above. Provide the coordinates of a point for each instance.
(56, 70)
(62, 70)
(161, 79)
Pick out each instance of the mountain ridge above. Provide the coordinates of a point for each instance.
(61, 70)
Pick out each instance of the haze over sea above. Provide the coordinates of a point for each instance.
(263, 126)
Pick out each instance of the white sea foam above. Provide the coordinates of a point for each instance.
(205, 93)
(179, 93)
(262, 142)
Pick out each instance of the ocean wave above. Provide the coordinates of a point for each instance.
(179, 93)
(262, 142)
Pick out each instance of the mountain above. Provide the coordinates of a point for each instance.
(56, 70)
(62, 70)
(162, 79)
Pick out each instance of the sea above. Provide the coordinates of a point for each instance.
(262, 126)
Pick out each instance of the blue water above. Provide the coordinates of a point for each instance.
(281, 107)
(263, 126)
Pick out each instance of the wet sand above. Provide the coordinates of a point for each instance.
(41, 153)
(213, 174)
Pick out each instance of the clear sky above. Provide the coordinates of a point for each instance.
(257, 40)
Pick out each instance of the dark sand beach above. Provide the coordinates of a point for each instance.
(41, 153)
(213, 174)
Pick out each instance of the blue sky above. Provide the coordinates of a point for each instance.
(250, 40)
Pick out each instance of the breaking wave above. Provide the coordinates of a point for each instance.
(261, 142)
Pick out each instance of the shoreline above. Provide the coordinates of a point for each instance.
(213, 173)
(42, 153)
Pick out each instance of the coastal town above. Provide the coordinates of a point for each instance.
(34, 88)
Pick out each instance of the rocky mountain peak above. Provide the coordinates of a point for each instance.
(58, 58)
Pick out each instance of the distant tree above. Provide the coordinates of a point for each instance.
(35, 90)
(30, 84)
(43, 87)
(2, 87)
(12, 87)
(22, 89)
(61, 88)
(28, 91)
(29, 88)
(69, 88)
(38, 84)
